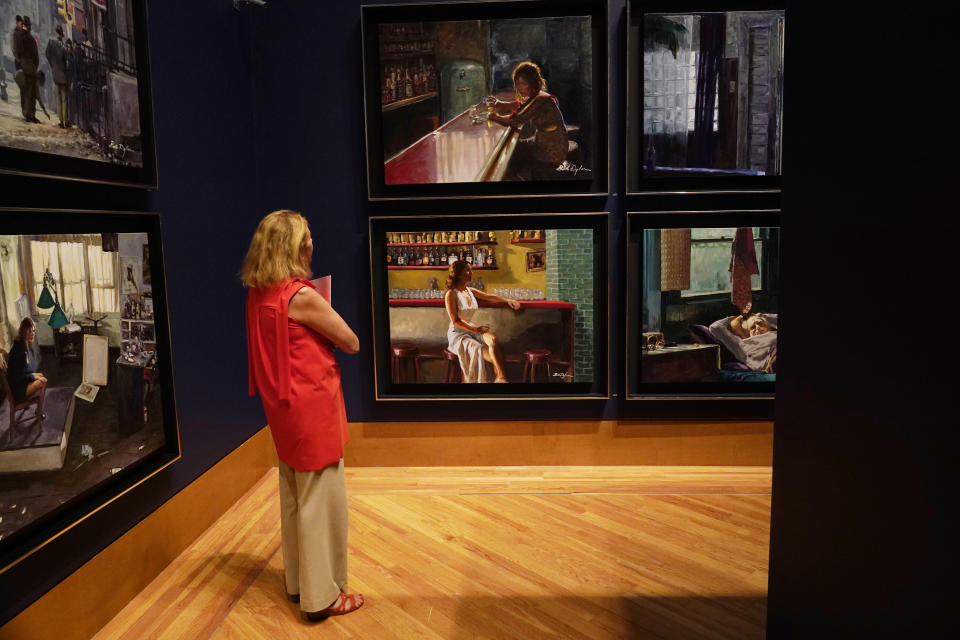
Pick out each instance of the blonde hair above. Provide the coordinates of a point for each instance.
(276, 251)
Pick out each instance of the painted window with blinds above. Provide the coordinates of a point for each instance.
(710, 261)
(86, 275)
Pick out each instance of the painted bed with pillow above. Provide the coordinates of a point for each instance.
(747, 359)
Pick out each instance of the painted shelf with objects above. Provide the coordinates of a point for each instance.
(533, 325)
(75, 95)
(705, 92)
(702, 300)
(438, 249)
(104, 418)
(486, 99)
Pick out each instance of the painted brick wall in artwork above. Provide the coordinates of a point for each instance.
(570, 279)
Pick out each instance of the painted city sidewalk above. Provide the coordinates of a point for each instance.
(45, 137)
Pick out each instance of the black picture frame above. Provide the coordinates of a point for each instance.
(742, 394)
(52, 522)
(638, 180)
(587, 346)
(593, 182)
(113, 57)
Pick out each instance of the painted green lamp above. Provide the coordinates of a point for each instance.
(57, 317)
(45, 301)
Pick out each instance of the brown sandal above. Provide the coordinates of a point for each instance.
(345, 603)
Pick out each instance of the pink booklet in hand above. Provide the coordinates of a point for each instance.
(323, 286)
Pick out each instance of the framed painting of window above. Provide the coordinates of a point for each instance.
(702, 299)
(705, 91)
(458, 313)
(486, 99)
(87, 410)
(75, 97)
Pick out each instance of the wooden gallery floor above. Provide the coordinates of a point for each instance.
(486, 552)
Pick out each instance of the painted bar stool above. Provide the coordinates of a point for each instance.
(453, 366)
(403, 358)
(532, 359)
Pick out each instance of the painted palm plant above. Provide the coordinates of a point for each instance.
(663, 32)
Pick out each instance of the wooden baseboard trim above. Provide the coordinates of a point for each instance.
(74, 611)
(559, 442)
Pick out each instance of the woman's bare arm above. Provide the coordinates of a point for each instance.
(309, 307)
(489, 297)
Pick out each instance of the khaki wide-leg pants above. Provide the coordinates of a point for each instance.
(313, 523)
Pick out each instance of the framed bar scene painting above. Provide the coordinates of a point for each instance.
(75, 97)
(486, 99)
(705, 91)
(87, 410)
(490, 306)
(702, 299)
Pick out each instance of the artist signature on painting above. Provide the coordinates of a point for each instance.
(565, 376)
(569, 166)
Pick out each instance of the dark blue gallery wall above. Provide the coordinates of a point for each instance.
(206, 197)
(308, 95)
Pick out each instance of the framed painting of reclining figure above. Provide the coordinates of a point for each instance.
(75, 96)
(702, 305)
(490, 306)
(486, 98)
(705, 91)
(87, 410)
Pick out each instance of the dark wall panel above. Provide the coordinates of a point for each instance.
(865, 421)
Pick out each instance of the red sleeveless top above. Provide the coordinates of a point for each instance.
(293, 368)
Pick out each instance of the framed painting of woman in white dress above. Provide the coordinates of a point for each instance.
(458, 313)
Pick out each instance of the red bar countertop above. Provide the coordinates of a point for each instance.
(531, 304)
(455, 152)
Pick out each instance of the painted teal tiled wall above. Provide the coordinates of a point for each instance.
(570, 279)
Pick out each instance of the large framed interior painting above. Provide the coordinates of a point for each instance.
(486, 98)
(75, 98)
(705, 91)
(87, 410)
(702, 305)
(490, 306)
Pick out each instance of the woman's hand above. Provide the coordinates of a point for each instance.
(482, 329)
(513, 304)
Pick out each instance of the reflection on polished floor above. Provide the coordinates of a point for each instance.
(491, 552)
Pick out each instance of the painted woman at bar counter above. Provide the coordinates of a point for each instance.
(537, 158)
(291, 335)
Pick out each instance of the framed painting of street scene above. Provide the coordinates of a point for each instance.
(486, 98)
(87, 408)
(702, 304)
(459, 313)
(75, 98)
(705, 93)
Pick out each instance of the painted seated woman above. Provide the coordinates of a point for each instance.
(475, 345)
(22, 374)
(537, 157)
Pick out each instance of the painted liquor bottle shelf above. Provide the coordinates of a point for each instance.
(439, 244)
(439, 267)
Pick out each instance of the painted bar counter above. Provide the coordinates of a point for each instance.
(537, 325)
(461, 150)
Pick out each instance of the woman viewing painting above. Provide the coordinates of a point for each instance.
(292, 332)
